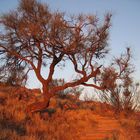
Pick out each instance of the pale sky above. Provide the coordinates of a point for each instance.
(124, 32)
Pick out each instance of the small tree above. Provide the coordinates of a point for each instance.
(120, 89)
(37, 37)
(11, 72)
(16, 77)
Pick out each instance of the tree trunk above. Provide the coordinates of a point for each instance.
(41, 105)
(47, 95)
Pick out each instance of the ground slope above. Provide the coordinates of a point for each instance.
(66, 119)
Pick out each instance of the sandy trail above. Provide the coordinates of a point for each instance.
(107, 128)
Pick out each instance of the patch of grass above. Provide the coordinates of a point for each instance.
(52, 123)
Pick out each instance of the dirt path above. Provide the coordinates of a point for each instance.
(106, 129)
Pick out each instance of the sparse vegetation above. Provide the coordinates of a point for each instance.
(121, 92)
(32, 37)
(16, 124)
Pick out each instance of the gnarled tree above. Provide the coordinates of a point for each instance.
(37, 37)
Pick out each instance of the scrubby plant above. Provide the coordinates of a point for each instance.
(121, 91)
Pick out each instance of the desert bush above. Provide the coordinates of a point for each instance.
(15, 124)
(137, 126)
(11, 74)
(121, 91)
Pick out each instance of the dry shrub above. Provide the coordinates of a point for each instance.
(131, 127)
(16, 124)
(121, 90)
(68, 124)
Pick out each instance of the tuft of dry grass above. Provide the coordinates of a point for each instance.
(56, 122)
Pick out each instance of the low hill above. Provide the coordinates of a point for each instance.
(66, 118)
